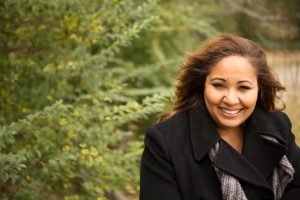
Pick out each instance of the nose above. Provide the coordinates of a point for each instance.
(231, 98)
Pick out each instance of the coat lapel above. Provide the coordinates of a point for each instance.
(231, 162)
(259, 157)
(262, 153)
(203, 132)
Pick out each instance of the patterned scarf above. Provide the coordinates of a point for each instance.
(231, 187)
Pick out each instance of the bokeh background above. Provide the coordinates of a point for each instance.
(82, 80)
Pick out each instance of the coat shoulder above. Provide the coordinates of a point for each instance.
(175, 123)
(282, 121)
(173, 130)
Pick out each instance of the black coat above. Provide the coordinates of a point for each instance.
(175, 164)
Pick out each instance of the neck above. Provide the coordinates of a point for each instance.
(234, 137)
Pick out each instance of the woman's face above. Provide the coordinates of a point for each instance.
(231, 91)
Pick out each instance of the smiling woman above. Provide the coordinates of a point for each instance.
(224, 137)
(230, 96)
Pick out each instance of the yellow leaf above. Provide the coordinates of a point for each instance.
(76, 113)
(66, 185)
(63, 121)
(70, 63)
(85, 151)
(47, 68)
(24, 109)
(70, 134)
(90, 161)
(94, 152)
(49, 97)
(60, 66)
(66, 148)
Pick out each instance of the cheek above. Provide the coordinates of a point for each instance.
(212, 97)
(250, 99)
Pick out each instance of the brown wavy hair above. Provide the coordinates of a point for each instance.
(192, 75)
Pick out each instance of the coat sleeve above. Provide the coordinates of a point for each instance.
(157, 177)
(292, 191)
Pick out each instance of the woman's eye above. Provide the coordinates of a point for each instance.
(218, 85)
(244, 88)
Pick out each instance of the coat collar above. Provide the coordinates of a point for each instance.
(203, 131)
(264, 124)
(259, 156)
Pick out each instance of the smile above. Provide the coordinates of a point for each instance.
(230, 112)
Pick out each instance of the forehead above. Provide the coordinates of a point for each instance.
(233, 67)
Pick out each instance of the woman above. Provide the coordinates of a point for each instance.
(224, 138)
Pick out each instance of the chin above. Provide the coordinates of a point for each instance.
(230, 125)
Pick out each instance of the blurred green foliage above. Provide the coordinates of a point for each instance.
(81, 81)
(64, 110)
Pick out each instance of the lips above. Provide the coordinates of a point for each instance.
(230, 113)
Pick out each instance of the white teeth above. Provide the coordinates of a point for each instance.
(231, 112)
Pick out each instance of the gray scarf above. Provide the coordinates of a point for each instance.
(231, 187)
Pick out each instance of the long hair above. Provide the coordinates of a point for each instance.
(191, 78)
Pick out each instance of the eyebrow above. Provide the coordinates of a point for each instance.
(222, 79)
